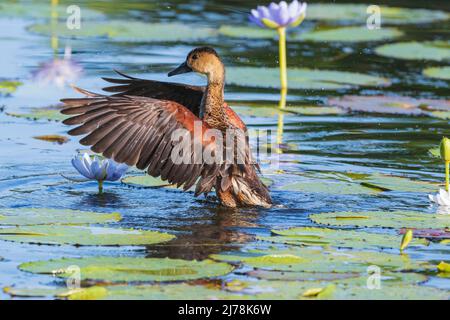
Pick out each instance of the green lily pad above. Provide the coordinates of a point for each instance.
(42, 10)
(428, 50)
(311, 236)
(34, 292)
(145, 181)
(390, 105)
(358, 13)
(328, 187)
(128, 269)
(394, 219)
(51, 113)
(83, 235)
(8, 86)
(350, 34)
(438, 72)
(119, 30)
(253, 32)
(299, 259)
(394, 183)
(301, 78)
(41, 216)
(270, 112)
(299, 276)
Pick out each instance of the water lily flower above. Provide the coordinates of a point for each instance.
(58, 71)
(94, 168)
(279, 17)
(442, 198)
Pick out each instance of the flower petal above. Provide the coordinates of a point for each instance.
(255, 21)
(77, 163)
(283, 14)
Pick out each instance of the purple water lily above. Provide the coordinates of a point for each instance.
(98, 169)
(58, 71)
(279, 15)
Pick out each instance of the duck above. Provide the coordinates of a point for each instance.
(136, 121)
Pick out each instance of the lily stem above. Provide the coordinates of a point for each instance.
(100, 187)
(282, 58)
(447, 164)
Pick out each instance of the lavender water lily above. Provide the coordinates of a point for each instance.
(94, 168)
(280, 16)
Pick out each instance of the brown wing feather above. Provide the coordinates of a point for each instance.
(138, 131)
(186, 95)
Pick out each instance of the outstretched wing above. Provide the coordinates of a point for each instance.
(138, 131)
(186, 95)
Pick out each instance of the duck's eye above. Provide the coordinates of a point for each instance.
(194, 57)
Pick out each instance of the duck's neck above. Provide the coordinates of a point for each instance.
(211, 109)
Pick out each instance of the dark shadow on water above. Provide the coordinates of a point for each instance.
(220, 230)
(104, 200)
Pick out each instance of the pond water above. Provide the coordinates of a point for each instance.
(319, 146)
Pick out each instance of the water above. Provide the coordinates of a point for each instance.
(30, 169)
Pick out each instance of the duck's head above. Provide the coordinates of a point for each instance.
(204, 60)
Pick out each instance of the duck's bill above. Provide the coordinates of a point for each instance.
(182, 68)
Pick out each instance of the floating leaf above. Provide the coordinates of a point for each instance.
(393, 183)
(119, 30)
(394, 219)
(128, 269)
(145, 181)
(428, 50)
(8, 86)
(92, 293)
(349, 34)
(40, 216)
(390, 105)
(270, 112)
(299, 276)
(312, 236)
(358, 13)
(301, 78)
(438, 72)
(435, 152)
(42, 10)
(328, 187)
(52, 138)
(406, 239)
(83, 235)
(49, 113)
(247, 32)
(298, 259)
(34, 291)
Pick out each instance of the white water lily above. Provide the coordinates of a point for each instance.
(442, 198)
(98, 169)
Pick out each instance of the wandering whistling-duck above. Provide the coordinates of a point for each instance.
(136, 126)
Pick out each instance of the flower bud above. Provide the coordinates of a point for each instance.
(445, 149)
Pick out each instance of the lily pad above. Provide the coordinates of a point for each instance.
(311, 236)
(358, 13)
(8, 86)
(301, 78)
(83, 235)
(299, 276)
(247, 32)
(390, 105)
(48, 113)
(394, 183)
(118, 30)
(349, 34)
(438, 72)
(386, 219)
(429, 233)
(328, 187)
(129, 269)
(44, 216)
(144, 181)
(298, 259)
(270, 112)
(428, 50)
(42, 10)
